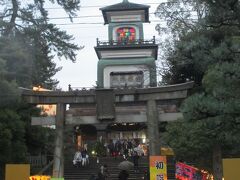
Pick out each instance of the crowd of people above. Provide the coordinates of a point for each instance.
(131, 150)
(124, 147)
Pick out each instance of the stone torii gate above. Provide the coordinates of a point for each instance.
(149, 105)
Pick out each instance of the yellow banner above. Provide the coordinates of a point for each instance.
(17, 171)
(231, 169)
(158, 168)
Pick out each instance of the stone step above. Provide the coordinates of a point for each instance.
(83, 173)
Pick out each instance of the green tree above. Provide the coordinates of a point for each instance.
(26, 30)
(207, 53)
(28, 43)
(12, 142)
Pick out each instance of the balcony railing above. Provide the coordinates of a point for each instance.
(126, 42)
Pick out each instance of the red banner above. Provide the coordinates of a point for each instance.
(186, 172)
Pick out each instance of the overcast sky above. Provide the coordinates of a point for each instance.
(83, 73)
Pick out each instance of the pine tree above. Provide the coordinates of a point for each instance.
(205, 50)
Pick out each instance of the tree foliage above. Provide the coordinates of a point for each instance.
(206, 50)
(28, 44)
(187, 52)
(12, 143)
(28, 38)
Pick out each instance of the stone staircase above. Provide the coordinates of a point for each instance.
(84, 173)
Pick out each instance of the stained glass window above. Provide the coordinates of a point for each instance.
(126, 34)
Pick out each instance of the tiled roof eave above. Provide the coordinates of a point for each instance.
(123, 10)
(124, 7)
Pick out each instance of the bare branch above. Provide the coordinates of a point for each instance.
(11, 24)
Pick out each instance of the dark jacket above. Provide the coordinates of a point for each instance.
(123, 175)
(100, 176)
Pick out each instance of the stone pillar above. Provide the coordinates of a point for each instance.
(58, 161)
(103, 134)
(101, 131)
(121, 135)
(134, 135)
(153, 129)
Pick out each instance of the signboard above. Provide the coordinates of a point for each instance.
(158, 168)
(17, 171)
(231, 169)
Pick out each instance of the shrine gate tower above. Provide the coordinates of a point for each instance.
(126, 59)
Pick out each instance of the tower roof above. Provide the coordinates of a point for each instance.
(125, 5)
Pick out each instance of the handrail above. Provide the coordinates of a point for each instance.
(126, 42)
(45, 168)
(37, 161)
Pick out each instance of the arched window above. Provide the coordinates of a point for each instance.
(126, 34)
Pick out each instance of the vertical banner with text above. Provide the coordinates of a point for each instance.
(158, 168)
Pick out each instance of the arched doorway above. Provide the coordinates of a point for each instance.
(84, 135)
